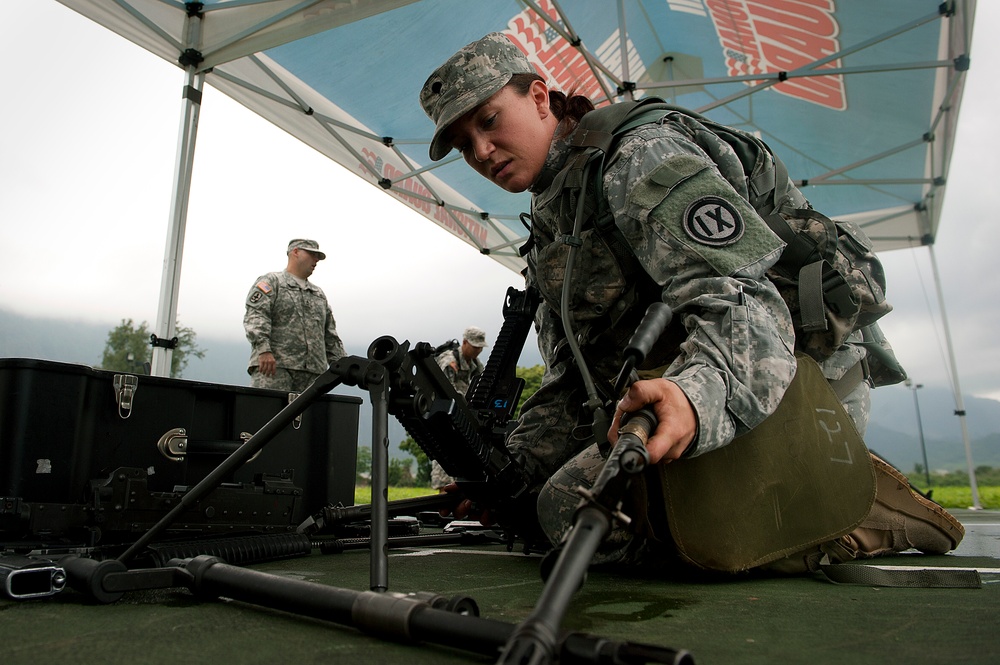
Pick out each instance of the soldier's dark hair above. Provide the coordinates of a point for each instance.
(564, 106)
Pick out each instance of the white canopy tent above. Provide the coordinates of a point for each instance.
(861, 100)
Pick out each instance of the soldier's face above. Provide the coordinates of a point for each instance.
(306, 260)
(469, 351)
(506, 138)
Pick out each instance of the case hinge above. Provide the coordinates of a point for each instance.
(297, 423)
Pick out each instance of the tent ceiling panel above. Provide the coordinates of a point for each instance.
(860, 99)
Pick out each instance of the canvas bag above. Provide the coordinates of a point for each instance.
(800, 478)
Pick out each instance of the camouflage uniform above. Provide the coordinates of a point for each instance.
(461, 379)
(296, 324)
(467, 370)
(731, 344)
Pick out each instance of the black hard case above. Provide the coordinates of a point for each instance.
(62, 427)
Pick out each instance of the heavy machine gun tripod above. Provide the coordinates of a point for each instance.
(470, 438)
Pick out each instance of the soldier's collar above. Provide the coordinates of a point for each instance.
(554, 161)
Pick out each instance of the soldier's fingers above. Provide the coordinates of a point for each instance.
(616, 424)
(463, 509)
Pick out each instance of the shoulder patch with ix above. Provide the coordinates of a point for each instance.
(713, 221)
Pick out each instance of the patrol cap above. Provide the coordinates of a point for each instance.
(475, 336)
(310, 245)
(466, 80)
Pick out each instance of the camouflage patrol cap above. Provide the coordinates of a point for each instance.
(475, 336)
(308, 245)
(468, 78)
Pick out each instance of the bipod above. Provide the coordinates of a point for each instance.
(406, 618)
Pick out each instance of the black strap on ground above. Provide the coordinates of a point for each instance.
(926, 578)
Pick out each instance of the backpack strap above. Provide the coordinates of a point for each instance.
(599, 128)
(820, 285)
(595, 137)
(592, 141)
(846, 384)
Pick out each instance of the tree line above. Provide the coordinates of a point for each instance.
(985, 475)
(129, 349)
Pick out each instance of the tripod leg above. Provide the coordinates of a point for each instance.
(379, 565)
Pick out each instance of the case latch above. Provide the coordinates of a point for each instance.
(125, 386)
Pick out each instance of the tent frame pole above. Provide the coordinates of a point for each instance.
(959, 404)
(166, 313)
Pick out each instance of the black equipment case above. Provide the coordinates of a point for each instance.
(96, 457)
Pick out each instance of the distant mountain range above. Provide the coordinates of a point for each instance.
(893, 431)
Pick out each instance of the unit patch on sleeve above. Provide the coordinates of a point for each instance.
(713, 221)
(260, 290)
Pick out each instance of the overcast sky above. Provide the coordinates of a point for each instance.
(88, 136)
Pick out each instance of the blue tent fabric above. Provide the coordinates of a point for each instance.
(859, 99)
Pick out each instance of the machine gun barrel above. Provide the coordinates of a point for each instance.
(422, 617)
(534, 642)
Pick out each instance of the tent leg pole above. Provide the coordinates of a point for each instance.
(959, 403)
(166, 311)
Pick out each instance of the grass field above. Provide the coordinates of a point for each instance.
(363, 494)
(949, 497)
(961, 497)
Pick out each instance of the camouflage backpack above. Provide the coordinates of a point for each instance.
(452, 345)
(828, 273)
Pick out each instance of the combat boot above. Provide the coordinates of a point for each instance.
(901, 519)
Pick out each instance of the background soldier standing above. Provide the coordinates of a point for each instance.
(292, 333)
(461, 366)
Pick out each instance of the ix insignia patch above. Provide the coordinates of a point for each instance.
(257, 295)
(713, 221)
